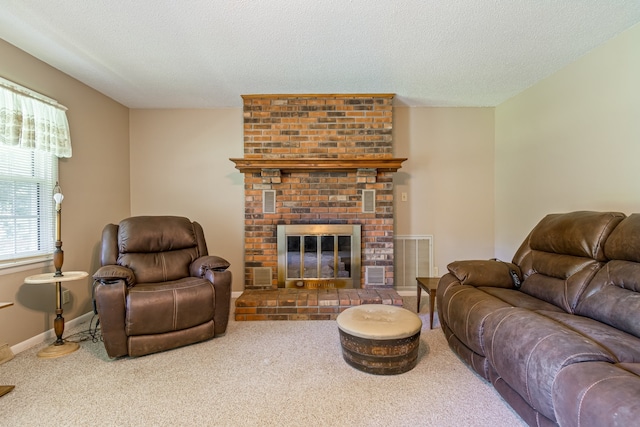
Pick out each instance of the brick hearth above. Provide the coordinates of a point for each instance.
(307, 304)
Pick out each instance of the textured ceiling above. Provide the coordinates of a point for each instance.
(206, 53)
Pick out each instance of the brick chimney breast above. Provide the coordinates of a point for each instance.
(342, 129)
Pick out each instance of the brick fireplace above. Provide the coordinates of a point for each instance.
(318, 159)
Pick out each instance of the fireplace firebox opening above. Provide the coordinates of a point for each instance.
(316, 256)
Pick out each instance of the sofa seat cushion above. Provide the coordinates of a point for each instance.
(155, 308)
(634, 368)
(625, 347)
(520, 299)
(465, 309)
(597, 394)
(528, 350)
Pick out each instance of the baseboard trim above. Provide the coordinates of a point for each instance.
(407, 292)
(49, 335)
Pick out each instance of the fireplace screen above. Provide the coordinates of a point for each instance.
(319, 256)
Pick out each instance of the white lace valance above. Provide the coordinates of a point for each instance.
(33, 121)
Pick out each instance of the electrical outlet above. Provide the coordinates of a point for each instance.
(435, 271)
(66, 296)
(403, 197)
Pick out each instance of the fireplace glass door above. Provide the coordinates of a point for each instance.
(319, 256)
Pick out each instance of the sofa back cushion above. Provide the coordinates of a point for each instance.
(563, 253)
(158, 248)
(613, 296)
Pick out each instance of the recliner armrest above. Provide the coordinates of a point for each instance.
(200, 266)
(110, 306)
(222, 284)
(115, 272)
(492, 273)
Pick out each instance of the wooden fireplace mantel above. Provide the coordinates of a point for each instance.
(306, 164)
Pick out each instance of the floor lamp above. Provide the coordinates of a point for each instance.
(60, 347)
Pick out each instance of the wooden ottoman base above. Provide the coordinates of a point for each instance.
(380, 357)
(379, 339)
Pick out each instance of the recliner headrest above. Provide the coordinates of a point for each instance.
(155, 234)
(580, 233)
(624, 241)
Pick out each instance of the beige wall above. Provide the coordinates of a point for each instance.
(571, 142)
(180, 166)
(477, 179)
(95, 182)
(448, 178)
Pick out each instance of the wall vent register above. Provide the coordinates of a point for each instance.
(269, 201)
(369, 201)
(374, 275)
(262, 276)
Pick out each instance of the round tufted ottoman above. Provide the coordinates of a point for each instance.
(379, 339)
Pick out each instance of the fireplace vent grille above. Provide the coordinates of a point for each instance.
(374, 275)
(413, 258)
(269, 201)
(262, 276)
(368, 201)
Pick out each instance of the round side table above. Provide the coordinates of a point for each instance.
(60, 347)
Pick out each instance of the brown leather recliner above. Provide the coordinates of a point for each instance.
(158, 288)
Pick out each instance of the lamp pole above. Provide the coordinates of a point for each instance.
(58, 259)
(58, 254)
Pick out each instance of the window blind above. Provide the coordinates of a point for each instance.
(27, 208)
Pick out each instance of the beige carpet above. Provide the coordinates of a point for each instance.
(265, 373)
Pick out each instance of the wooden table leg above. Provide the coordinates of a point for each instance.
(429, 284)
(432, 303)
(4, 389)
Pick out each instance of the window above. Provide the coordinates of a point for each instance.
(34, 133)
(27, 208)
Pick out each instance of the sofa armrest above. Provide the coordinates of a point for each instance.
(108, 273)
(222, 285)
(110, 304)
(492, 273)
(200, 266)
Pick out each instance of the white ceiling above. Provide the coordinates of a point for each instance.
(206, 53)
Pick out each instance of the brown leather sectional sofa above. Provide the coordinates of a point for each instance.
(557, 330)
